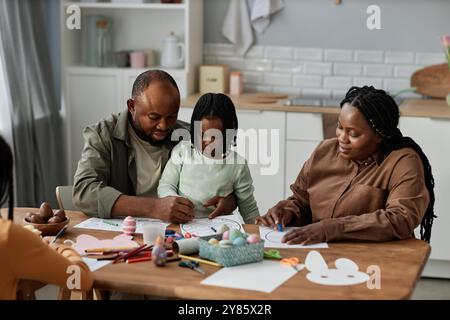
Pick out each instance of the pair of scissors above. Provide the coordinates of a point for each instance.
(293, 262)
(191, 265)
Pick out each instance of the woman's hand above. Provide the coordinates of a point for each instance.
(309, 234)
(223, 205)
(282, 213)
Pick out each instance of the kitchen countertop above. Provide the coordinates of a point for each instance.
(428, 108)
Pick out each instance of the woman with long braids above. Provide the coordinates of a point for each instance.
(23, 254)
(370, 183)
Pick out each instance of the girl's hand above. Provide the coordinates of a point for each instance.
(223, 205)
(310, 234)
(281, 213)
(47, 240)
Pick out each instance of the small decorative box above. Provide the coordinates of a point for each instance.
(233, 255)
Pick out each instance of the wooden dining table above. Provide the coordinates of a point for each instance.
(400, 264)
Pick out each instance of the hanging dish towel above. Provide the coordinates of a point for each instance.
(261, 12)
(237, 28)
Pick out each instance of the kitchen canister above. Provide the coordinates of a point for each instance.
(138, 59)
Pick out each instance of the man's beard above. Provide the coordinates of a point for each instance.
(148, 138)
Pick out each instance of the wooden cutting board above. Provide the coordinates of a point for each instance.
(432, 81)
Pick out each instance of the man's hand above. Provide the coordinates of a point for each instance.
(174, 209)
(310, 234)
(223, 205)
(282, 213)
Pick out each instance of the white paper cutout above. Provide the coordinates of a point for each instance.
(272, 239)
(105, 224)
(203, 227)
(264, 276)
(345, 274)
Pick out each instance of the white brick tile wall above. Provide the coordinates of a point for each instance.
(377, 70)
(430, 58)
(209, 60)
(255, 52)
(368, 56)
(331, 102)
(279, 53)
(250, 88)
(393, 85)
(338, 55)
(287, 66)
(339, 94)
(287, 90)
(399, 57)
(307, 81)
(315, 92)
(205, 49)
(221, 49)
(337, 82)
(309, 54)
(258, 64)
(405, 71)
(320, 71)
(376, 82)
(253, 77)
(234, 63)
(317, 68)
(347, 69)
(278, 79)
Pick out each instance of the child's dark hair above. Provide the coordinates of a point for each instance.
(217, 105)
(382, 113)
(6, 177)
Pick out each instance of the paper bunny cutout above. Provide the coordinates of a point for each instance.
(86, 241)
(345, 274)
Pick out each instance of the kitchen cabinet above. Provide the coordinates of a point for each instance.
(90, 93)
(265, 154)
(432, 135)
(303, 133)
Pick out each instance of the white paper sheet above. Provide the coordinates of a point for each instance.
(264, 276)
(101, 224)
(203, 227)
(95, 264)
(272, 239)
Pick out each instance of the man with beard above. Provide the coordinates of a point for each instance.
(125, 154)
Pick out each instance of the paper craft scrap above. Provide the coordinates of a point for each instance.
(115, 224)
(85, 242)
(272, 239)
(264, 276)
(346, 273)
(95, 264)
(205, 227)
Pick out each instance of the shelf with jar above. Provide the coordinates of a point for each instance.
(114, 44)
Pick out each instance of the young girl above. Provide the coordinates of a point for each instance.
(206, 166)
(23, 254)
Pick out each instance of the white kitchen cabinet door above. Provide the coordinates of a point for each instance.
(262, 143)
(185, 114)
(304, 126)
(90, 98)
(297, 152)
(433, 135)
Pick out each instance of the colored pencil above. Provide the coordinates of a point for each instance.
(110, 223)
(140, 259)
(60, 233)
(215, 264)
(110, 250)
(130, 254)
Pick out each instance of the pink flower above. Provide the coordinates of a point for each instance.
(445, 40)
